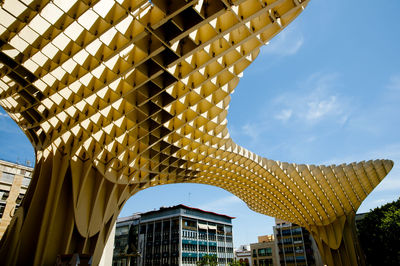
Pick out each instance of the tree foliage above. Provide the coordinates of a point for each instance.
(210, 260)
(379, 235)
(236, 263)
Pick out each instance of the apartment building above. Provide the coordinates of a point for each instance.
(178, 235)
(295, 244)
(14, 181)
(264, 252)
(243, 255)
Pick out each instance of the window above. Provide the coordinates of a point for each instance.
(26, 181)
(288, 250)
(287, 241)
(299, 249)
(2, 207)
(165, 248)
(175, 229)
(297, 240)
(165, 261)
(166, 230)
(220, 229)
(211, 237)
(120, 243)
(212, 249)
(265, 252)
(157, 249)
(265, 262)
(202, 235)
(268, 251)
(202, 248)
(149, 251)
(4, 194)
(150, 229)
(189, 260)
(174, 260)
(189, 247)
(289, 258)
(19, 199)
(7, 177)
(143, 229)
(189, 234)
(174, 247)
(175, 224)
(296, 231)
(148, 261)
(189, 224)
(158, 227)
(123, 230)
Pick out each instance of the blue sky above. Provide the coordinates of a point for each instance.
(326, 90)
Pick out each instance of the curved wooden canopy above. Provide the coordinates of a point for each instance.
(118, 96)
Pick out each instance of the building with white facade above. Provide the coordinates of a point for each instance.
(178, 235)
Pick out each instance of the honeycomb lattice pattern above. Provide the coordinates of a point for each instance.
(139, 91)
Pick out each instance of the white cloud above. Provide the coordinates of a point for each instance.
(391, 152)
(390, 183)
(251, 130)
(394, 82)
(284, 115)
(221, 204)
(288, 42)
(313, 101)
(311, 139)
(379, 201)
(7, 125)
(318, 108)
(373, 202)
(4, 115)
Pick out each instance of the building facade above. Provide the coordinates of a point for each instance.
(295, 244)
(14, 181)
(177, 235)
(243, 255)
(264, 252)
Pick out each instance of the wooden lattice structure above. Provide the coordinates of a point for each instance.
(120, 95)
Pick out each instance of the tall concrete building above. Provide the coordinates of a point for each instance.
(264, 253)
(295, 244)
(14, 181)
(177, 235)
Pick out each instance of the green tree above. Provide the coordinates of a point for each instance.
(379, 235)
(236, 263)
(210, 260)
